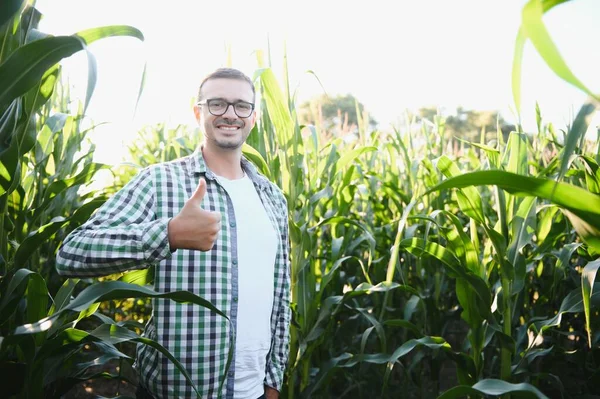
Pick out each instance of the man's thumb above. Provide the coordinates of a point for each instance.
(199, 193)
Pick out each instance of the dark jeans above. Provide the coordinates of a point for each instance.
(142, 393)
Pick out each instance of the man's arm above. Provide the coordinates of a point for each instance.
(123, 234)
(280, 347)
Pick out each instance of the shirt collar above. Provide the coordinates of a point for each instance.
(199, 167)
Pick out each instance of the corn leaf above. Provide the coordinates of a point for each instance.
(494, 387)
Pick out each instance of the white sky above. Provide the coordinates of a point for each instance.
(391, 55)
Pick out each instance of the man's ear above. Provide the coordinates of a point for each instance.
(197, 112)
(253, 119)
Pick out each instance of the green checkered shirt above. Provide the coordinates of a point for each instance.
(130, 232)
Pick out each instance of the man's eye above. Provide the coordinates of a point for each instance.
(217, 103)
(243, 106)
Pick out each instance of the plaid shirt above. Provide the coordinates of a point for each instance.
(130, 232)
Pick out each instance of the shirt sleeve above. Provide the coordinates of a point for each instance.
(280, 345)
(123, 234)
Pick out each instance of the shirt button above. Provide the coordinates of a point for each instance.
(235, 299)
(232, 224)
(234, 261)
(231, 373)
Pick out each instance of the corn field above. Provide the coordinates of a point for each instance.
(423, 266)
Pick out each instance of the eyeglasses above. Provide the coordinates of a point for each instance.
(218, 107)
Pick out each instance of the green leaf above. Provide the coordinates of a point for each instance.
(572, 303)
(8, 9)
(466, 279)
(63, 296)
(588, 276)
(35, 239)
(91, 35)
(108, 290)
(14, 293)
(40, 94)
(494, 387)
(461, 244)
(139, 277)
(516, 152)
(583, 207)
(25, 66)
(115, 334)
(350, 156)
(576, 132)
(404, 324)
(469, 198)
(37, 298)
(523, 228)
(592, 174)
(257, 159)
(59, 186)
(276, 106)
(535, 30)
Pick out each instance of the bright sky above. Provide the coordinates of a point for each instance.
(392, 55)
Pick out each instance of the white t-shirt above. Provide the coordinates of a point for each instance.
(257, 248)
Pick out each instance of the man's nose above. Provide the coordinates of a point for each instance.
(230, 112)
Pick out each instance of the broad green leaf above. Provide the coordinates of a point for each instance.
(368, 289)
(572, 303)
(494, 387)
(257, 159)
(139, 277)
(325, 372)
(105, 291)
(469, 198)
(376, 325)
(534, 29)
(404, 324)
(35, 239)
(276, 106)
(588, 276)
(14, 292)
(576, 132)
(461, 244)
(8, 9)
(580, 203)
(391, 268)
(41, 93)
(37, 298)
(592, 174)
(63, 296)
(91, 35)
(115, 334)
(406, 348)
(25, 66)
(59, 186)
(327, 278)
(419, 247)
(523, 228)
(516, 152)
(350, 156)
(92, 77)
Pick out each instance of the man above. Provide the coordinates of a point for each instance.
(212, 225)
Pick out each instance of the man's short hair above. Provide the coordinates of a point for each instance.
(227, 73)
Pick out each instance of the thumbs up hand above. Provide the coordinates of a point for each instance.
(194, 227)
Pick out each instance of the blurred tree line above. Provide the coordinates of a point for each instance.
(342, 115)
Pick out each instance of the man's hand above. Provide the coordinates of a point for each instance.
(271, 393)
(193, 227)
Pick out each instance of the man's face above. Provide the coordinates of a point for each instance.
(228, 131)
